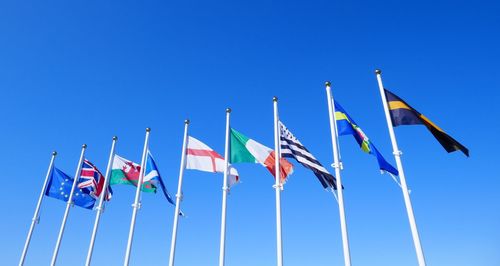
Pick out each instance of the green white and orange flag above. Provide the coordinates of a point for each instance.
(246, 150)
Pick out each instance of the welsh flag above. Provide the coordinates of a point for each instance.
(246, 150)
(127, 172)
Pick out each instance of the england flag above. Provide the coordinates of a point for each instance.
(201, 157)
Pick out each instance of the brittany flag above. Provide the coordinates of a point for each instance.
(201, 157)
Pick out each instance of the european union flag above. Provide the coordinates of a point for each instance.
(347, 126)
(59, 187)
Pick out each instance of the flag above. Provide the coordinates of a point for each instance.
(201, 157)
(92, 178)
(152, 176)
(403, 114)
(245, 150)
(347, 126)
(127, 172)
(291, 147)
(60, 185)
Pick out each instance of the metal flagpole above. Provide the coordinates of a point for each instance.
(278, 186)
(68, 204)
(102, 198)
(178, 196)
(137, 205)
(36, 218)
(397, 155)
(337, 166)
(225, 188)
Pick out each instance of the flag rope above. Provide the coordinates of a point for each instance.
(334, 194)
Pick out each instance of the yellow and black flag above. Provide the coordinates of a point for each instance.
(403, 114)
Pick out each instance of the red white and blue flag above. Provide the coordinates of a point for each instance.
(93, 179)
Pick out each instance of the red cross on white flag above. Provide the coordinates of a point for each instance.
(201, 157)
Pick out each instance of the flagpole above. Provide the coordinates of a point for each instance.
(397, 155)
(337, 166)
(278, 186)
(36, 218)
(137, 205)
(102, 198)
(68, 204)
(178, 196)
(225, 189)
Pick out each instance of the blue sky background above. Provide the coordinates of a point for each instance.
(80, 72)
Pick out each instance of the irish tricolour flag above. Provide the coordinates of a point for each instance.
(246, 150)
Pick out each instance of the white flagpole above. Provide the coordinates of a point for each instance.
(337, 166)
(137, 205)
(225, 188)
(397, 155)
(278, 186)
(102, 198)
(68, 204)
(36, 218)
(178, 196)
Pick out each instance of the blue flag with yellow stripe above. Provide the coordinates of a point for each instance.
(347, 126)
(403, 114)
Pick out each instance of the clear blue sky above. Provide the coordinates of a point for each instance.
(82, 71)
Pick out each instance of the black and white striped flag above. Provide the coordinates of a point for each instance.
(292, 148)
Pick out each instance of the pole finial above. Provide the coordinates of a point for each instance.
(84, 146)
(54, 153)
(228, 110)
(328, 83)
(115, 138)
(186, 121)
(378, 71)
(148, 129)
(275, 99)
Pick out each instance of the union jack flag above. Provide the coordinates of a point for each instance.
(92, 179)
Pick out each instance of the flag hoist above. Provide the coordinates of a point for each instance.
(68, 205)
(36, 217)
(100, 207)
(337, 165)
(278, 186)
(397, 155)
(137, 204)
(178, 196)
(225, 189)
